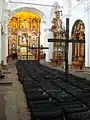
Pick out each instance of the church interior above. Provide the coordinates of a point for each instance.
(44, 60)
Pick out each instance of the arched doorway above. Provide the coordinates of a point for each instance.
(24, 28)
(78, 49)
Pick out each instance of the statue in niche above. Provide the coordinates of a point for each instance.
(14, 51)
(24, 37)
(13, 46)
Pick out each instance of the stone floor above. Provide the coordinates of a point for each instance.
(12, 99)
(81, 73)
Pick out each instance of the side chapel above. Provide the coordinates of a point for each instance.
(78, 49)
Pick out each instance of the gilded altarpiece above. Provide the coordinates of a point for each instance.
(78, 49)
(24, 29)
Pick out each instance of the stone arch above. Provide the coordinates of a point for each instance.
(78, 49)
(28, 9)
(32, 10)
(76, 23)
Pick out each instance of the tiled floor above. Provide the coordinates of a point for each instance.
(12, 99)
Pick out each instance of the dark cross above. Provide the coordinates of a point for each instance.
(38, 48)
(66, 41)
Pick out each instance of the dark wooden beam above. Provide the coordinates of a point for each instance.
(66, 49)
(39, 48)
(65, 40)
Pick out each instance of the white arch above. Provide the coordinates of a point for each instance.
(74, 21)
(33, 10)
(28, 9)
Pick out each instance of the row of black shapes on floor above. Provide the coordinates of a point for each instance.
(49, 97)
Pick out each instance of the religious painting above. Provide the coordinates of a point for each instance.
(13, 49)
(78, 49)
(13, 46)
(24, 37)
(34, 34)
(33, 45)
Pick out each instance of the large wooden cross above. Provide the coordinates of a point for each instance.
(66, 41)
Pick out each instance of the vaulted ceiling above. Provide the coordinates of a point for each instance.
(67, 3)
(41, 4)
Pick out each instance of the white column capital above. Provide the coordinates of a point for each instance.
(5, 18)
(87, 5)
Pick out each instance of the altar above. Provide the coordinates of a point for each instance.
(23, 34)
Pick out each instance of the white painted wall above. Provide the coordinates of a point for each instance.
(5, 36)
(78, 12)
(1, 14)
(46, 14)
(87, 33)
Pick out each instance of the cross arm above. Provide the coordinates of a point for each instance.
(39, 48)
(69, 41)
(76, 41)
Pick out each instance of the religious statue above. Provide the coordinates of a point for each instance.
(24, 38)
(78, 31)
(57, 27)
(58, 33)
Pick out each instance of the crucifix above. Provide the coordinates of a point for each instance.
(38, 48)
(66, 41)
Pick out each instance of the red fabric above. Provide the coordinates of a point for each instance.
(9, 57)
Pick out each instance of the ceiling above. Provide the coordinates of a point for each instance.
(66, 2)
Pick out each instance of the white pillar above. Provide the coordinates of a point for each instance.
(1, 10)
(0, 44)
(42, 36)
(87, 34)
(49, 52)
(5, 37)
(5, 43)
(70, 54)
